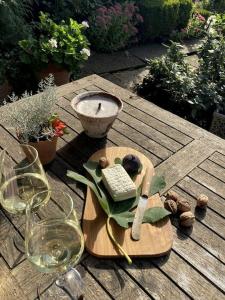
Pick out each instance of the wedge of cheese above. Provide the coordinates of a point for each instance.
(118, 183)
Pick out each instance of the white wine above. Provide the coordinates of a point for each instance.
(16, 192)
(54, 245)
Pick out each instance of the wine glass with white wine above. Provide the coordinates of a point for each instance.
(54, 241)
(21, 178)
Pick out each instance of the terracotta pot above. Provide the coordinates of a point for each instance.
(218, 125)
(46, 150)
(5, 89)
(61, 75)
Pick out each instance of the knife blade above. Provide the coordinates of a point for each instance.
(142, 204)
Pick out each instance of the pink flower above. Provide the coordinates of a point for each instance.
(118, 8)
(126, 28)
(201, 18)
(139, 18)
(100, 21)
(102, 10)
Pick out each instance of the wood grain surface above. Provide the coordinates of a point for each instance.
(156, 239)
(192, 160)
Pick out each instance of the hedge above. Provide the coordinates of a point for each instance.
(161, 17)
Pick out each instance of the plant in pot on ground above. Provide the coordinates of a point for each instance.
(57, 48)
(193, 94)
(34, 120)
(115, 27)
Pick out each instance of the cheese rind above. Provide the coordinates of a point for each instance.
(118, 183)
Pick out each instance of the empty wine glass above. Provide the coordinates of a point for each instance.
(53, 240)
(20, 179)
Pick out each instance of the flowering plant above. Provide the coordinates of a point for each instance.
(33, 117)
(115, 27)
(63, 44)
(196, 28)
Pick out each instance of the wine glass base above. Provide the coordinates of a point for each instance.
(72, 284)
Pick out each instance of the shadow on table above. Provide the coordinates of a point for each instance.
(78, 150)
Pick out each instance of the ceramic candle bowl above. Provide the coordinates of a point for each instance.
(97, 111)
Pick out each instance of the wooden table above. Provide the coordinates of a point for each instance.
(193, 162)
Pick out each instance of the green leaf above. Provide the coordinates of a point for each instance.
(123, 219)
(118, 161)
(158, 183)
(101, 197)
(155, 214)
(92, 167)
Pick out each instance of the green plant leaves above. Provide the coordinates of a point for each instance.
(158, 183)
(98, 192)
(155, 214)
(93, 169)
(123, 219)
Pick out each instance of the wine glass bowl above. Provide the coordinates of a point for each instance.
(53, 239)
(21, 179)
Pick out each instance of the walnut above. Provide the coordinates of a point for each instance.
(171, 206)
(202, 201)
(103, 162)
(183, 205)
(173, 196)
(187, 219)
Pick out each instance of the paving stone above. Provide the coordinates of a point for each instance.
(103, 63)
(193, 61)
(148, 51)
(127, 79)
(192, 45)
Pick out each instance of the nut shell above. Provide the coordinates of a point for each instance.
(173, 196)
(103, 162)
(171, 206)
(202, 201)
(183, 205)
(187, 219)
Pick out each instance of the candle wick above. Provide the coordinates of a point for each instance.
(99, 107)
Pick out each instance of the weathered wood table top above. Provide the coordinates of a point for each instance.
(192, 161)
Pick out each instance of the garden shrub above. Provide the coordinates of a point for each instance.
(163, 16)
(192, 94)
(185, 9)
(115, 27)
(65, 9)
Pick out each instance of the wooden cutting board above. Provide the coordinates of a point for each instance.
(156, 240)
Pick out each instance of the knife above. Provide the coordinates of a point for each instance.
(142, 204)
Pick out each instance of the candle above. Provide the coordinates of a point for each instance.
(98, 106)
(97, 111)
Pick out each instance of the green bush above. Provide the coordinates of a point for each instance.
(161, 17)
(194, 94)
(216, 5)
(184, 13)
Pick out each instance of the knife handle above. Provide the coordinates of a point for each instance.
(147, 182)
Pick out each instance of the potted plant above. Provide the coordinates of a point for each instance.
(57, 49)
(34, 120)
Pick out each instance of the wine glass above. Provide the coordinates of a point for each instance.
(53, 239)
(20, 179)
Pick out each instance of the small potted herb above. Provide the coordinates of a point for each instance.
(58, 49)
(34, 120)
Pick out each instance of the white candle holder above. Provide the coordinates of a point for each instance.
(97, 112)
